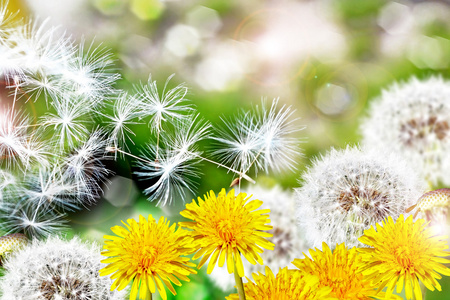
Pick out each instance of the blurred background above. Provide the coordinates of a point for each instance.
(326, 58)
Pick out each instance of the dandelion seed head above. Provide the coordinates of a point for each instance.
(56, 269)
(433, 206)
(411, 119)
(347, 191)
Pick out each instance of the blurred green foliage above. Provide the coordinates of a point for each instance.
(365, 72)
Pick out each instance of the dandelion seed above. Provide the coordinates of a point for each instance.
(36, 221)
(188, 133)
(261, 139)
(279, 149)
(149, 253)
(411, 119)
(125, 110)
(174, 168)
(84, 168)
(68, 123)
(287, 284)
(89, 73)
(56, 269)
(7, 185)
(49, 188)
(226, 226)
(347, 191)
(37, 84)
(173, 172)
(13, 135)
(169, 106)
(40, 53)
(6, 19)
(48, 63)
(239, 143)
(35, 151)
(404, 253)
(9, 66)
(38, 48)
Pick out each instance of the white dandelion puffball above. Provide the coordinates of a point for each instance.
(412, 119)
(288, 239)
(56, 269)
(346, 191)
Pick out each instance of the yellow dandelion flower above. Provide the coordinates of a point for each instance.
(287, 285)
(225, 227)
(403, 253)
(339, 270)
(149, 253)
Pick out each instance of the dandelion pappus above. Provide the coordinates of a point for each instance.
(434, 199)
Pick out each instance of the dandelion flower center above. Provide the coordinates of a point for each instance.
(416, 130)
(364, 199)
(405, 256)
(147, 256)
(283, 239)
(229, 229)
(64, 286)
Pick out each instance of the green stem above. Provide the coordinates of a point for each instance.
(157, 145)
(242, 175)
(239, 284)
(149, 294)
(423, 288)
